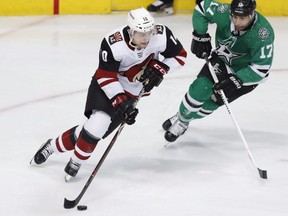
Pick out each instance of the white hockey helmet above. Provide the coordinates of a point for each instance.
(140, 20)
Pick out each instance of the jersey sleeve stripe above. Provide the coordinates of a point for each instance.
(111, 89)
(106, 81)
(261, 70)
(199, 9)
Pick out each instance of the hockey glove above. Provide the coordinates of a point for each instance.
(125, 109)
(230, 85)
(219, 66)
(201, 44)
(153, 74)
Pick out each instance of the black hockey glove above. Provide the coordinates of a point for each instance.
(153, 74)
(125, 109)
(219, 65)
(230, 85)
(201, 44)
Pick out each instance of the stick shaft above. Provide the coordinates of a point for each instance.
(224, 98)
(72, 203)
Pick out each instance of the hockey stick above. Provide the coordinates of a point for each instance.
(262, 173)
(68, 204)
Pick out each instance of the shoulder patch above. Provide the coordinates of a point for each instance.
(222, 8)
(159, 29)
(116, 37)
(263, 33)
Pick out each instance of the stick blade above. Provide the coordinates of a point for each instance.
(68, 204)
(263, 173)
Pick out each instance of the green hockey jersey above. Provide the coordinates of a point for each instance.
(249, 53)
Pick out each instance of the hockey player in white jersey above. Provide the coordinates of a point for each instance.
(128, 63)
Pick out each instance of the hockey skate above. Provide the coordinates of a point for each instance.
(177, 129)
(43, 153)
(169, 122)
(71, 169)
(161, 8)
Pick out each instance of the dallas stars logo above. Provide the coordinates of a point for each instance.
(224, 50)
(240, 4)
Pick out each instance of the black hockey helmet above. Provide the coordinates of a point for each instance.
(243, 7)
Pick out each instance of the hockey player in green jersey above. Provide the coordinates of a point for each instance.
(244, 53)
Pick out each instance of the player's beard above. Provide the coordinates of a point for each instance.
(240, 27)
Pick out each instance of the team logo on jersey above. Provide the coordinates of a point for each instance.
(115, 38)
(222, 8)
(140, 54)
(159, 29)
(263, 33)
(224, 49)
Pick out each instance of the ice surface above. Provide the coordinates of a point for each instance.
(46, 66)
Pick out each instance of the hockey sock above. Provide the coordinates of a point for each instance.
(85, 145)
(66, 141)
(192, 105)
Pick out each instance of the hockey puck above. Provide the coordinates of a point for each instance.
(82, 207)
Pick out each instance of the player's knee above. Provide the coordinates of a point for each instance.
(210, 105)
(201, 89)
(98, 124)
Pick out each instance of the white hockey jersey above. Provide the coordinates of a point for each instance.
(119, 62)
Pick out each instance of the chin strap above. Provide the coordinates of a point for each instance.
(130, 33)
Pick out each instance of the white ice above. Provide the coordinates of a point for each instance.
(46, 66)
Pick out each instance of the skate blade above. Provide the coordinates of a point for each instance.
(67, 178)
(32, 162)
(167, 144)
